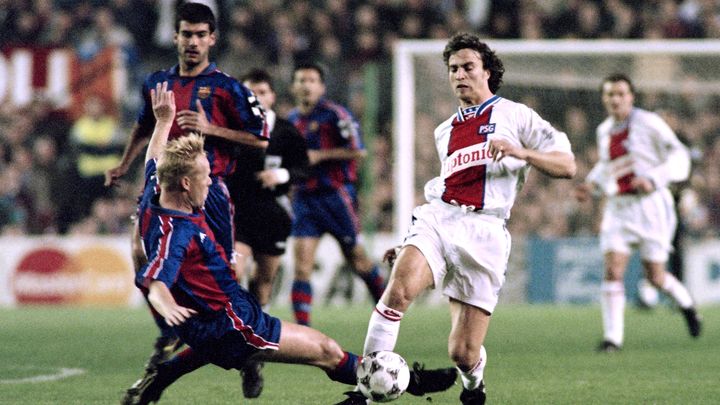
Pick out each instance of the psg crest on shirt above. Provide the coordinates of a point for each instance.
(485, 129)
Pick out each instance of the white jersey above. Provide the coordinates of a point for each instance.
(642, 145)
(469, 177)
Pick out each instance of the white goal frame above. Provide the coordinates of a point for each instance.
(404, 102)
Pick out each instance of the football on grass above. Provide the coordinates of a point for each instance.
(383, 376)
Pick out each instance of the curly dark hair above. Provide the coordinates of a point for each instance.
(490, 60)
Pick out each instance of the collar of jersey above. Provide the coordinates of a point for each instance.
(175, 70)
(174, 213)
(475, 110)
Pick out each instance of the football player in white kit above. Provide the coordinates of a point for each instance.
(458, 241)
(639, 156)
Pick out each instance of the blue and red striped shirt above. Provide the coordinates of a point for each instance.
(227, 103)
(183, 253)
(329, 126)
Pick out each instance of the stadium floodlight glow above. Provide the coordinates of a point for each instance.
(420, 82)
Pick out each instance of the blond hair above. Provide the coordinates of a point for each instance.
(178, 160)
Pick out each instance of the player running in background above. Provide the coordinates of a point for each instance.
(327, 201)
(211, 103)
(259, 189)
(458, 241)
(190, 282)
(639, 157)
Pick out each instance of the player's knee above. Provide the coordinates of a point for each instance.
(331, 354)
(656, 279)
(397, 298)
(613, 274)
(464, 354)
(303, 271)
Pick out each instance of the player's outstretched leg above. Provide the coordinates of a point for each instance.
(252, 378)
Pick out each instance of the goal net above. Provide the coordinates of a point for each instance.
(560, 80)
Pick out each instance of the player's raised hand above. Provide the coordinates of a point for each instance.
(163, 102)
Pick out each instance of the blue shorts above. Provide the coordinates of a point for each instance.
(228, 338)
(219, 212)
(327, 211)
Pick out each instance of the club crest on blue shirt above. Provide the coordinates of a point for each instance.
(485, 129)
(313, 126)
(203, 92)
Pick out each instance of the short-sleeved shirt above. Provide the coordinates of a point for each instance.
(469, 176)
(184, 255)
(642, 145)
(227, 103)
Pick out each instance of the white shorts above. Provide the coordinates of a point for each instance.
(467, 251)
(647, 222)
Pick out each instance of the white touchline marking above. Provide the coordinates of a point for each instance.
(61, 373)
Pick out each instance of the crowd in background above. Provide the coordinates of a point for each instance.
(51, 165)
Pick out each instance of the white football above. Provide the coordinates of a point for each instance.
(383, 376)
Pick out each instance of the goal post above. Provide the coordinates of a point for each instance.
(554, 72)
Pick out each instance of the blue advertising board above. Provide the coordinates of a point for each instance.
(570, 271)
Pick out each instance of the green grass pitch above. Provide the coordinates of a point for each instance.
(537, 355)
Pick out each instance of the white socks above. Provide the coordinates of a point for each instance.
(612, 304)
(471, 379)
(383, 329)
(674, 288)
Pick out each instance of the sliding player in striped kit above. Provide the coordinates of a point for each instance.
(640, 156)
(189, 280)
(458, 241)
(211, 103)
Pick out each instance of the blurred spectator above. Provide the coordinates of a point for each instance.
(13, 212)
(96, 145)
(45, 187)
(107, 217)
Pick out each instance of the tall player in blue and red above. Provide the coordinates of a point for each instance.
(327, 201)
(208, 102)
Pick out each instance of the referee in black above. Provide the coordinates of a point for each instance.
(259, 189)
